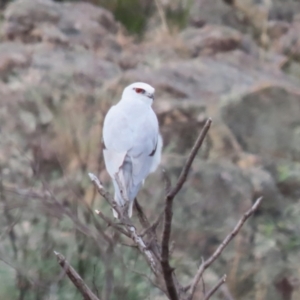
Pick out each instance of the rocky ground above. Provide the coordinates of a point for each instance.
(63, 64)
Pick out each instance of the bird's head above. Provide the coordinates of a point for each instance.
(140, 91)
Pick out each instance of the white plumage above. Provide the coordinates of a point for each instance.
(132, 143)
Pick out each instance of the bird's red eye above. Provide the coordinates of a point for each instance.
(139, 91)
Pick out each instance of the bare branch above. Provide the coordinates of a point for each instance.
(222, 246)
(167, 270)
(184, 173)
(130, 229)
(215, 288)
(167, 181)
(111, 223)
(153, 226)
(143, 248)
(141, 215)
(146, 277)
(84, 290)
(104, 193)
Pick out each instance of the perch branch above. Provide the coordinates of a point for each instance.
(222, 246)
(215, 288)
(75, 278)
(104, 193)
(125, 221)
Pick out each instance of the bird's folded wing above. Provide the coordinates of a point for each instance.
(117, 131)
(141, 166)
(146, 155)
(157, 155)
(113, 161)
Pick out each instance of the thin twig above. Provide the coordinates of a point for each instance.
(166, 268)
(149, 229)
(84, 290)
(129, 245)
(166, 179)
(104, 193)
(145, 276)
(222, 246)
(153, 226)
(215, 288)
(184, 173)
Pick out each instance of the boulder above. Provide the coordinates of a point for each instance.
(265, 121)
(74, 24)
(218, 13)
(211, 39)
(13, 57)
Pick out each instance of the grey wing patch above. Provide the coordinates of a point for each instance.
(103, 144)
(153, 151)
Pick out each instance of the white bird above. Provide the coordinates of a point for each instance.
(132, 143)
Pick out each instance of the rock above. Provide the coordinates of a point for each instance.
(264, 124)
(277, 28)
(150, 55)
(218, 13)
(83, 67)
(13, 56)
(211, 39)
(208, 79)
(21, 17)
(285, 10)
(72, 24)
(55, 58)
(82, 14)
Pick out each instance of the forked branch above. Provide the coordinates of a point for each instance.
(129, 229)
(185, 170)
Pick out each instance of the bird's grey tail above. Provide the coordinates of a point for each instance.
(129, 189)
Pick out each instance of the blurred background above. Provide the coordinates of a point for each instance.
(64, 63)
